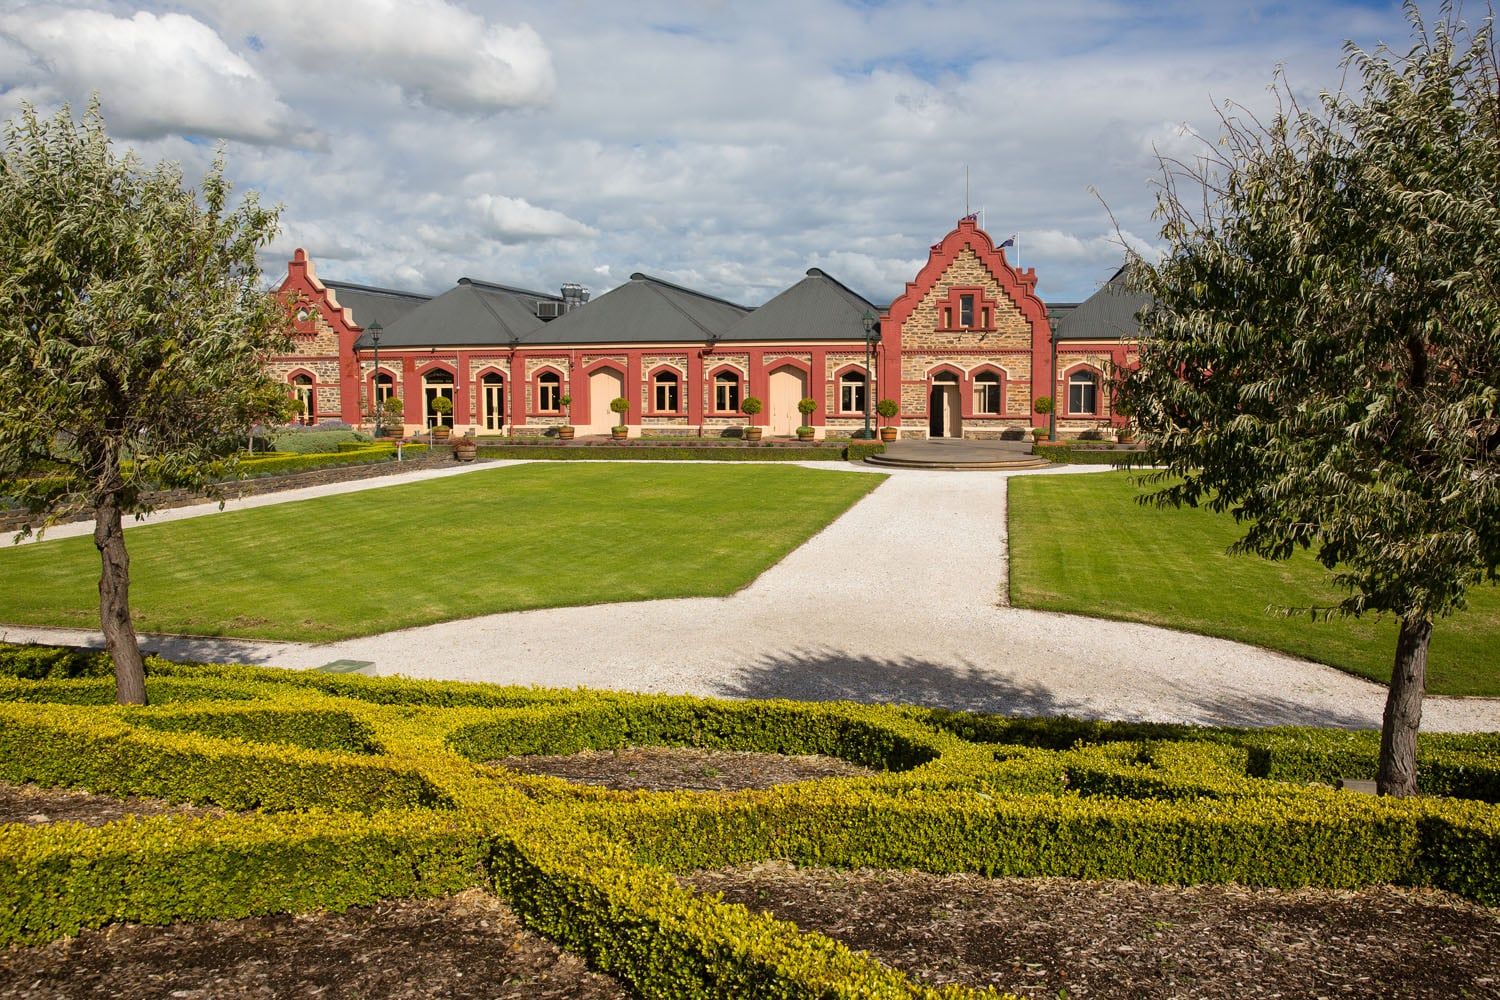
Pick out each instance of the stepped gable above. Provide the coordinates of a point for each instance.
(1108, 314)
(816, 308)
(646, 310)
(1018, 286)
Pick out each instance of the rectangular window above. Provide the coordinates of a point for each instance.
(666, 397)
(494, 407)
(727, 396)
(551, 393)
(987, 397)
(852, 397)
(966, 311)
(1082, 396)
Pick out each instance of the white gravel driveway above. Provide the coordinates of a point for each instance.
(901, 599)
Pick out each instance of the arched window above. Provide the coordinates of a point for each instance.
(434, 384)
(1083, 393)
(987, 393)
(493, 388)
(385, 388)
(549, 392)
(727, 392)
(664, 392)
(852, 392)
(306, 396)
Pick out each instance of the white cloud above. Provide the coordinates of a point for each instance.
(437, 52)
(516, 220)
(156, 75)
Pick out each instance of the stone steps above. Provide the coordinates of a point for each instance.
(943, 462)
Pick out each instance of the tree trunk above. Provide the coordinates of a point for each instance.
(114, 605)
(1403, 711)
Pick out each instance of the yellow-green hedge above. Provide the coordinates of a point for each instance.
(400, 804)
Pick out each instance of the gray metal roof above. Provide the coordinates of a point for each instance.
(369, 303)
(644, 309)
(816, 308)
(1108, 314)
(469, 313)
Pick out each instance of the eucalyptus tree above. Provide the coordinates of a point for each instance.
(133, 332)
(1322, 358)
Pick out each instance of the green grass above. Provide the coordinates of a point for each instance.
(506, 539)
(1082, 544)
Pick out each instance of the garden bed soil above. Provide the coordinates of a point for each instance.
(1054, 937)
(467, 946)
(36, 806)
(660, 769)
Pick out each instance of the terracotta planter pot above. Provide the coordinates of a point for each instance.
(887, 434)
(754, 433)
(565, 433)
(619, 433)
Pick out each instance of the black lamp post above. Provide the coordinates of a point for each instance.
(374, 332)
(870, 337)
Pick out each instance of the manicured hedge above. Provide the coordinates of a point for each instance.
(1067, 454)
(679, 453)
(399, 803)
(279, 464)
(58, 880)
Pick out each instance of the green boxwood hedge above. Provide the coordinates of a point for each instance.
(373, 787)
(854, 452)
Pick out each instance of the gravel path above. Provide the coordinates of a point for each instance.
(916, 616)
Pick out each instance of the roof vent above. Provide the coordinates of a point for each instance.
(574, 295)
(548, 309)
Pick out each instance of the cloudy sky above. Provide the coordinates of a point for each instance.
(728, 146)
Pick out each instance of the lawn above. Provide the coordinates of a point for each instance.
(506, 539)
(1082, 544)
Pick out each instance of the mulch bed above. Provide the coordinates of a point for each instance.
(661, 769)
(468, 946)
(1050, 938)
(34, 806)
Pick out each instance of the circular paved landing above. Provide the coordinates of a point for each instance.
(958, 454)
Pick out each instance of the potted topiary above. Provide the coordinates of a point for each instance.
(750, 407)
(465, 448)
(1043, 405)
(566, 431)
(620, 405)
(1126, 434)
(806, 408)
(887, 408)
(1040, 434)
(442, 406)
(393, 416)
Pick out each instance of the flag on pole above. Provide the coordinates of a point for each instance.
(1010, 242)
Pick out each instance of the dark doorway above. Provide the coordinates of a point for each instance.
(936, 418)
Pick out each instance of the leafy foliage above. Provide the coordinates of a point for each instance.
(1320, 357)
(132, 320)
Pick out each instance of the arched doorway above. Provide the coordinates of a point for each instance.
(605, 386)
(306, 395)
(493, 388)
(434, 384)
(944, 418)
(788, 387)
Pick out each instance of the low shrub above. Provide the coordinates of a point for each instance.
(1013, 434)
(660, 451)
(279, 464)
(1065, 454)
(316, 440)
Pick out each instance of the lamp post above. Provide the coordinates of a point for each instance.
(375, 400)
(870, 337)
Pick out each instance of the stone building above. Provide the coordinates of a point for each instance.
(965, 350)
